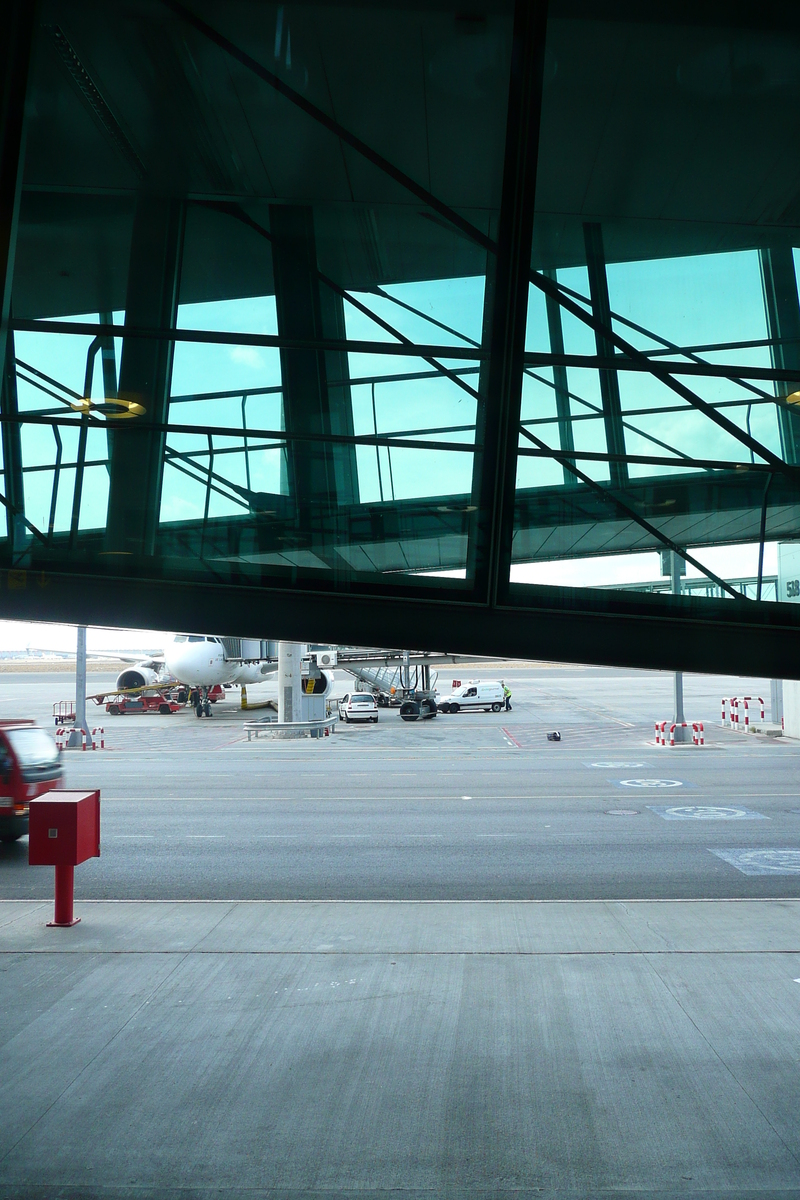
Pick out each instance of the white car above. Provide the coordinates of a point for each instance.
(486, 694)
(358, 706)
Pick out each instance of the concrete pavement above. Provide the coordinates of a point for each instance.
(561, 1049)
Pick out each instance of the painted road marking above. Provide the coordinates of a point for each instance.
(616, 766)
(782, 861)
(709, 812)
(651, 783)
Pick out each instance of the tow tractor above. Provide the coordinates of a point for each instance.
(126, 700)
(119, 704)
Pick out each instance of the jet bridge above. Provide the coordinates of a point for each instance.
(400, 677)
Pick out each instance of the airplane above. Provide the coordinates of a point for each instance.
(201, 662)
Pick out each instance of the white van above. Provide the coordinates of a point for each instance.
(486, 694)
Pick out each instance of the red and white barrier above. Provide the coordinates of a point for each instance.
(698, 736)
(746, 702)
(733, 704)
(63, 734)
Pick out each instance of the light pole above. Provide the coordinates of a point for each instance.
(681, 734)
(80, 727)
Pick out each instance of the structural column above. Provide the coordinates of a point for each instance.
(139, 441)
(290, 659)
(319, 473)
(18, 17)
(783, 323)
(81, 725)
(681, 734)
(505, 316)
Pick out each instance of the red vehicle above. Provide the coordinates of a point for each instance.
(139, 704)
(30, 765)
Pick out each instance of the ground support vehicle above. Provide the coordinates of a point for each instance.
(480, 694)
(30, 765)
(120, 705)
(358, 706)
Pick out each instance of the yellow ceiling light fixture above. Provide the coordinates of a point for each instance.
(127, 408)
(793, 398)
(114, 408)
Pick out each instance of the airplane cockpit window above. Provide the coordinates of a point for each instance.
(194, 637)
(181, 637)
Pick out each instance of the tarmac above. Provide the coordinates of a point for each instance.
(443, 960)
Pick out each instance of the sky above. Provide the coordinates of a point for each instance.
(20, 635)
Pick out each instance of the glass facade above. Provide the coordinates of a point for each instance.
(663, 249)
(471, 303)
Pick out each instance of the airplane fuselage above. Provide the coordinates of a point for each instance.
(199, 661)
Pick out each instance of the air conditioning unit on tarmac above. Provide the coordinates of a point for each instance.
(326, 658)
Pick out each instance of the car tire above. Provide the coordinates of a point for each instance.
(453, 707)
(164, 709)
(496, 707)
(113, 710)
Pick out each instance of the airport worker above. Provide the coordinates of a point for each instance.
(506, 695)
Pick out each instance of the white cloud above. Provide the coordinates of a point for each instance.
(247, 356)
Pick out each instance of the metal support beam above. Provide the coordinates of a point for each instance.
(137, 454)
(782, 307)
(609, 381)
(584, 625)
(497, 427)
(16, 37)
(81, 725)
(317, 472)
(560, 381)
(681, 734)
(18, 533)
(340, 403)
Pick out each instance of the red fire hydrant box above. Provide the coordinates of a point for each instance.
(64, 829)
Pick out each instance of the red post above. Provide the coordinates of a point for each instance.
(65, 890)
